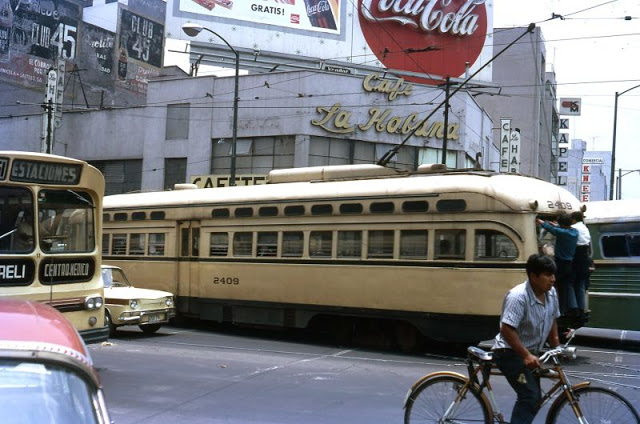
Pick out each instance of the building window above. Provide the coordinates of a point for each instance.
(175, 172)
(120, 176)
(177, 125)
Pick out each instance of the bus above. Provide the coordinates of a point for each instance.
(422, 255)
(614, 290)
(50, 236)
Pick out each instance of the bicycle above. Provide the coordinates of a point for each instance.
(450, 397)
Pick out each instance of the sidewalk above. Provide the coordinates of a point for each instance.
(625, 338)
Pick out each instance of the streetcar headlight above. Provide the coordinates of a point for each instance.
(169, 301)
(133, 304)
(95, 302)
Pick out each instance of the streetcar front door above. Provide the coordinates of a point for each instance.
(188, 271)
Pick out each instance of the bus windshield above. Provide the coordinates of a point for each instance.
(65, 221)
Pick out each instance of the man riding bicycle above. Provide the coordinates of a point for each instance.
(528, 320)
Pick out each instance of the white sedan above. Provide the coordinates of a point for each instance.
(128, 305)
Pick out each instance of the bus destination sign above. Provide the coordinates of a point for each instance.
(60, 271)
(16, 272)
(31, 171)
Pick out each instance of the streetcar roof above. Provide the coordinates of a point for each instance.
(612, 211)
(517, 192)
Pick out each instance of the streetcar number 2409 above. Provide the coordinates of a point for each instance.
(226, 280)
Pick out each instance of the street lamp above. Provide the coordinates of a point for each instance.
(620, 175)
(613, 146)
(192, 29)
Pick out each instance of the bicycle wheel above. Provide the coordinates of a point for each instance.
(431, 400)
(599, 406)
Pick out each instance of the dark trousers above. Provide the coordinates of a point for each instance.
(581, 264)
(565, 286)
(523, 381)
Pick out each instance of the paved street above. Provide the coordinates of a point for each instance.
(209, 375)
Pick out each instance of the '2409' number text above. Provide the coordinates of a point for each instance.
(226, 280)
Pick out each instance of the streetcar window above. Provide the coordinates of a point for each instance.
(106, 217)
(413, 244)
(620, 245)
(136, 244)
(451, 205)
(268, 211)
(320, 244)
(218, 244)
(139, 216)
(491, 245)
(195, 242)
(243, 244)
(243, 212)
(220, 213)
(349, 244)
(292, 242)
(156, 244)
(294, 210)
(325, 209)
(184, 242)
(119, 244)
(350, 208)
(120, 216)
(157, 215)
(267, 244)
(450, 244)
(105, 243)
(415, 206)
(380, 244)
(381, 207)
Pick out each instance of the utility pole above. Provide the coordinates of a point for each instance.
(445, 135)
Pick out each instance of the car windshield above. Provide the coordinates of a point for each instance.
(114, 277)
(43, 393)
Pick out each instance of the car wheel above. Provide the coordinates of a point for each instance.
(110, 324)
(149, 328)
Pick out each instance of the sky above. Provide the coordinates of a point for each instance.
(595, 53)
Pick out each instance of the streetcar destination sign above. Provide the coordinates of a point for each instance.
(30, 171)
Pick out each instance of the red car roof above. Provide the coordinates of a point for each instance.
(26, 321)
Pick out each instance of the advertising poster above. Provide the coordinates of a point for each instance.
(310, 15)
(139, 53)
(33, 34)
(96, 56)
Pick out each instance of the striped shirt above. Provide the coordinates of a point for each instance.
(531, 318)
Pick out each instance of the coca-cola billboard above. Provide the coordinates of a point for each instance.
(438, 38)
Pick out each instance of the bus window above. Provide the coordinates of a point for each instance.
(119, 244)
(267, 244)
(292, 243)
(349, 244)
(218, 244)
(380, 244)
(156, 244)
(490, 245)
(449, 244)
(413, 244)
(16, 220)
(320, 244)
(243, 244)
(66, 221)
(136, 244)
